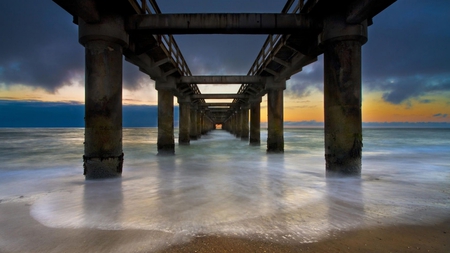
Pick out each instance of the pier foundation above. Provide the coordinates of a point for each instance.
(193, 130)
(244, 122)
(255, 122)
(275, 131)
(103, 42)
(342, 95)
(185, 121)
(165, 142)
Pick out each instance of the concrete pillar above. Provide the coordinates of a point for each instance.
(255, 122)
(193, 131)
(342, 95)
(103, 42)
(238, 124)
(275, 131)
(165, 142)
(232, 124)
(244, 122)
(199, 124)
(206, 124)
(184, 127)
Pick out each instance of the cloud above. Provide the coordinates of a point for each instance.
(400, 90)
(38, 48)
(309, 79)
(220, 54)
(408, 43)
(440, 115)
(408, 38)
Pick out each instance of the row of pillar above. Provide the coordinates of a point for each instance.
(193, 123)
(103, 155)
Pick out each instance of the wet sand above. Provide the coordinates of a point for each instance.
(19, 232)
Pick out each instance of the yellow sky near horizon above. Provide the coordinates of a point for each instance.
(374, 108)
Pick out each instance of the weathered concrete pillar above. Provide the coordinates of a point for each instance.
(185, 121)
(232, 124)
(204, 125)
(275, 131)
(244, 122)
(342, 95)
(103, 42)
(255, 122)
(193, 131)
(199, 124)
(238, 123)
(165, 142)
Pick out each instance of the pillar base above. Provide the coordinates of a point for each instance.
(184, 143)
(343, 167)
(102, 167)
(166, 149)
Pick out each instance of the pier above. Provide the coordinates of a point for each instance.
(137, 31)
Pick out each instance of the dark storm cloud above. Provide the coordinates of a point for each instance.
(407, 52)
(399, 90)
(303, 83)
(39, 46)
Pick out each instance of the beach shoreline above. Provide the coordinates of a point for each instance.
(19, 232)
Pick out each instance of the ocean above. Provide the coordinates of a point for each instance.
(219, 185)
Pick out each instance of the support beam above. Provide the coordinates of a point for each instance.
(275, 131)
(85, 9)
(165, 142)
(244, 122)
(193, 132)
(342, 96)
(362, 10)
(238, 124)
(199, 124)
(221, 79)
(103, 42)
(185, 121)
(221, 23)
(255, 122)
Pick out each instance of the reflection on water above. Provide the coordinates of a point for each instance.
(220, 185)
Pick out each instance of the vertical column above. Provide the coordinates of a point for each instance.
(205, 123)
(232, 124)
(165, 142)
(244, 122)
(185, 121)
(103, 42)
(238, 123)
(255, 122)
(275, 131)
(342, 95)
(193, 132)
(199, 123)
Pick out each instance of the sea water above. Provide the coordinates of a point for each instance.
(219, 185)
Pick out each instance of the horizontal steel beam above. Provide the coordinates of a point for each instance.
(221, 23)
(219, 96)
(361, 10)
(221, 79)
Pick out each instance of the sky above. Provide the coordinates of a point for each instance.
(405, 63)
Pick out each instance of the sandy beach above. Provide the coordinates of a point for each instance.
(19, 232)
